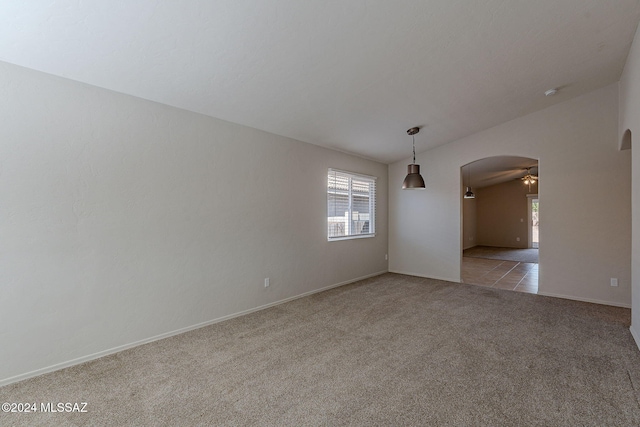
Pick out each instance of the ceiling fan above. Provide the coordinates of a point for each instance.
(529, 179)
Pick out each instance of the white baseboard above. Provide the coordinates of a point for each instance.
(636, 336)
(446, 279)
(595, 301)
(118, 349)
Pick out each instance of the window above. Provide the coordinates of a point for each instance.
(351, 202)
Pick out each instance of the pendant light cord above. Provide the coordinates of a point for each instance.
(414, 148)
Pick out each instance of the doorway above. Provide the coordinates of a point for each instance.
(500, 223)
(534, 221)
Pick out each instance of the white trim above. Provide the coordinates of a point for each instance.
(530, 199)
(118, 349)
(635, 335)
(361, 175)
(591, 300)
(353, 236)
(595, 301)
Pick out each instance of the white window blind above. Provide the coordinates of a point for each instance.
(351, 203)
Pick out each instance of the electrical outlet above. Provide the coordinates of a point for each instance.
(614, 281)
(266, 282)
(386, 257)
(517, 239)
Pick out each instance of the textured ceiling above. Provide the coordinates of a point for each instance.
(351, 75)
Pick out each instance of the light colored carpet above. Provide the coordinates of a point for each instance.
(506, 254)
(390, 350)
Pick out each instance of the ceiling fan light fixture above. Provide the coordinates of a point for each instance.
(529, 179)
(413, 180)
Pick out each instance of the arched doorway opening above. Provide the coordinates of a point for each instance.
(500, 223)
(625, 143)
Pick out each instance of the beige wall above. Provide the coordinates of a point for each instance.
(630, 120)
(469, 216)
(125, 220)
(585, 238)
(502, 215)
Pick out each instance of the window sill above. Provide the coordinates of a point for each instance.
(356, 236)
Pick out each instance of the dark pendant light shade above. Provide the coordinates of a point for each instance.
(414, 180)
(469, 194)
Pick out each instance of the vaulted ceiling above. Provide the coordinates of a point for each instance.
(351, 75)
(496, 170)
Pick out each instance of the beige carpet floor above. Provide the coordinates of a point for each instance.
(506, 254)
(391, 350)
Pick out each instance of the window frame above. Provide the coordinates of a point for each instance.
(372, 180)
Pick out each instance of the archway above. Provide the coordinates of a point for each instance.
(625, 143)
(499, 223)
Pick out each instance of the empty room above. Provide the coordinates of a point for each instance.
(363, 212)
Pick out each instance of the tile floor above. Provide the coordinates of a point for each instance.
(493, 273)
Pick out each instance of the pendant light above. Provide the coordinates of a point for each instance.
(469, 194)
(413, 181)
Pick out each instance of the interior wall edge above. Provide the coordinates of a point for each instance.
(628, 114)
(635, 335)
